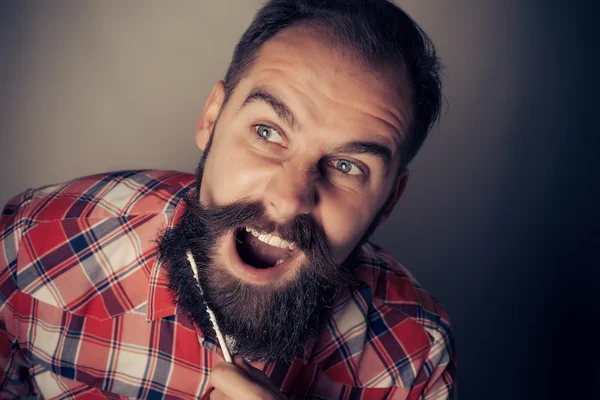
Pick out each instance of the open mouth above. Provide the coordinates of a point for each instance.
(262, 250)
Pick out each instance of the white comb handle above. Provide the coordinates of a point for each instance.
(220, 336)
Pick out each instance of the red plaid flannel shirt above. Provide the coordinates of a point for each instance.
(85, 311)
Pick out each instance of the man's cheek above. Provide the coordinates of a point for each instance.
(343, 233)
(237, 185)
(239, 179)
(223, 181)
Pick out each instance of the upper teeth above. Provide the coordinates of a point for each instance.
(271, 239)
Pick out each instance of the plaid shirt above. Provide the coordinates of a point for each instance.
(85, 311)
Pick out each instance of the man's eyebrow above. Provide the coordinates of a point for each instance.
(377, 149)
(282, 111)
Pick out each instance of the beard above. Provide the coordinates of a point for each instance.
(265, 322)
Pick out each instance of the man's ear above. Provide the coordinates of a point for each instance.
(209, 116)
(395, 195)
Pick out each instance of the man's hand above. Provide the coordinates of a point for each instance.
(241, 381)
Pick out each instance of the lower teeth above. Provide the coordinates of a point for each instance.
(283, 259)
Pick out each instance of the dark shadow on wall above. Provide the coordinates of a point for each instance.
(514, 258)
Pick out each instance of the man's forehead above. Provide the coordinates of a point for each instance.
(297, 57)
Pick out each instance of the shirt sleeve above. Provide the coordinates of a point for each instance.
(14, 368)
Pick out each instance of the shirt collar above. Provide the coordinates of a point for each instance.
(160, 299)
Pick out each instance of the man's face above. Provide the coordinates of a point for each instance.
(307, 131)
(302, 160)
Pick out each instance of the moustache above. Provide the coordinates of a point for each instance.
(303, 230)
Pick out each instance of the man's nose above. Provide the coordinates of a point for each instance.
(290, 192)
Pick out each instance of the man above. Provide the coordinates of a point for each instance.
(105, 280)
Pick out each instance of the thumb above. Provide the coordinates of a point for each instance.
(254, 373)
(245, 366)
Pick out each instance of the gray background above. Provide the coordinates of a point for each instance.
(499, 220)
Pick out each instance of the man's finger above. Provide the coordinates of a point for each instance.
(249, 369)
(236, 384)
(254, 373)
(218, 395)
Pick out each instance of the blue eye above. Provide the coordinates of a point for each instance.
(346, 166)
(267, 133)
